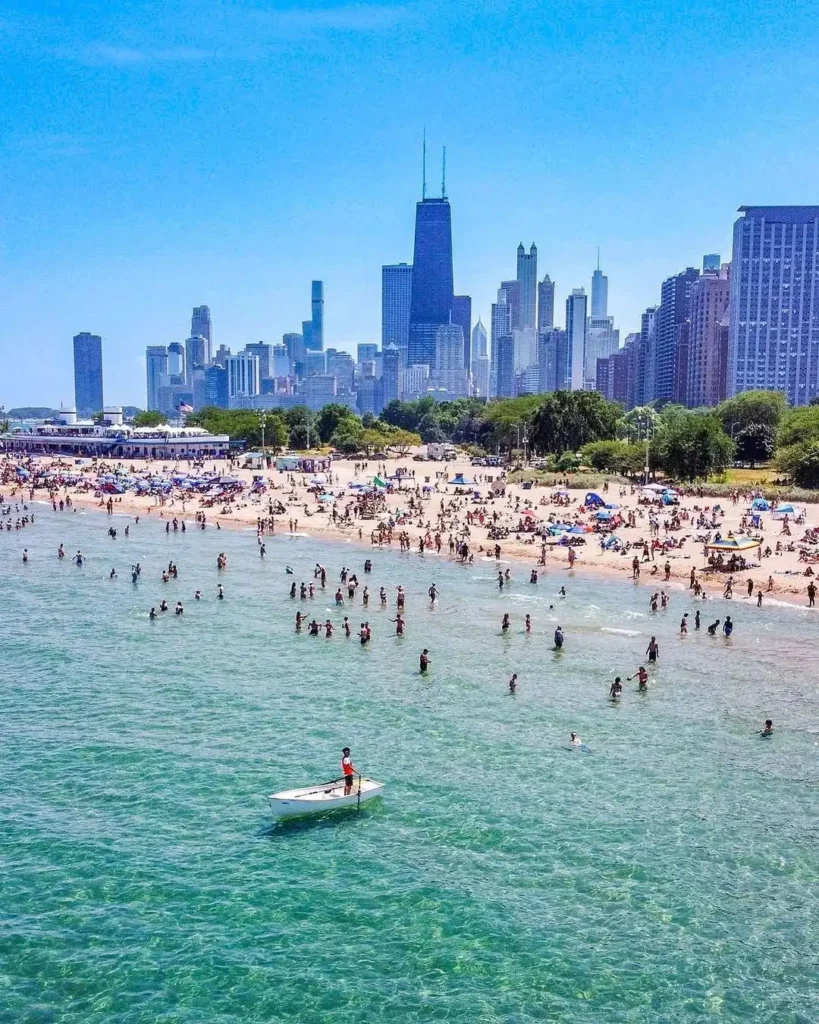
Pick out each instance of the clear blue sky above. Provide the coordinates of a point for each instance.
(154, 156)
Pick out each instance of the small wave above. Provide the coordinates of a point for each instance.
(620, 632)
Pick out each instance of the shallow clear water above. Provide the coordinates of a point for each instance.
(670, 875)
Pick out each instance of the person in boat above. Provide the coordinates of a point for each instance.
(616, 689)
(348, 770)
(424, 661)
(768, 730)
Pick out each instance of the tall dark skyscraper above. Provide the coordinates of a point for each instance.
(313, 329)
(671, 369)
(462, 315)
(201, 327)
(527, 283)
(545, 305)
(88, 372)
(432, 282)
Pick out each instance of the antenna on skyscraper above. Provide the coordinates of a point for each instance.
(424, 170)
(598, 257)
(443, 176)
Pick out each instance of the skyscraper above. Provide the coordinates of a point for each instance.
(551, 361)
(201, 327)
(644, 383)
(527, 283)
(263, 352)
(313, 329)
(707, 356)
(176, 362)
(500, 326)
(88, 373)
(156, 366)
(479, 356)
(390, 373)
(450, 372)
(576, 306)
(432, 287)
(243, 376)
(366, 352)
(512, 290)
(774, 310)
(396, 300)
(197, 350)
(505, 362)
(602, 340)
(671, 367)
(462, 315)
(599, 293)
(545, 305)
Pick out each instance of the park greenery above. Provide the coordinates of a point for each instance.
(567, 429)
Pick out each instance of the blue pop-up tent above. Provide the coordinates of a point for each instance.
(760, 505)
(593, 499)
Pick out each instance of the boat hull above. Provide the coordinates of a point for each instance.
(321, 799)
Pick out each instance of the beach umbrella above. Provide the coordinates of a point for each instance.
(603, 514)
(734, 544)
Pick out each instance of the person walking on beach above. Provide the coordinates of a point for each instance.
(811, 588)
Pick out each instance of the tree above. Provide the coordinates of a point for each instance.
(693, 446)
(403, 440)
(801, 463)
(800, 424)
(150, 418)
(608, 456)
(740, 411)
(814, 400)
(755, 443)
(566, 420)
(276, 433)
(329, 418)
(243, 425)
(347, 435)
(301, 422)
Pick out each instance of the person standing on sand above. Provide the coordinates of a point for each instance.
(811, 589)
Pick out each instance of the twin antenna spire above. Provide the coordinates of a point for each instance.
(424, 171)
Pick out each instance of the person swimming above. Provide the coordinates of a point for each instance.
(575, 740)
(768, 730)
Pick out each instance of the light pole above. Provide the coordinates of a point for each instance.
(262, 424)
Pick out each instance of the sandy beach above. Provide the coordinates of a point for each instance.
(428, 508)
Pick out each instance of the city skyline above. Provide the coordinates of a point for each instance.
(164, 178)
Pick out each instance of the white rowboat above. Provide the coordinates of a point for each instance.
(328, 796)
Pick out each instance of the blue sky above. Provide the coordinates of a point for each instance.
(154, 156)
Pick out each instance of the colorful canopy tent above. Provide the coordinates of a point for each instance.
(760, 505)
(593, 499)
(459, 480)
(735, 545)
(787, 509)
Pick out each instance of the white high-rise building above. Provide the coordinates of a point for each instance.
(576, 306)
(602, 341)
(243, 375)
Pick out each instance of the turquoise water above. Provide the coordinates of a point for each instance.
(671, 875)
